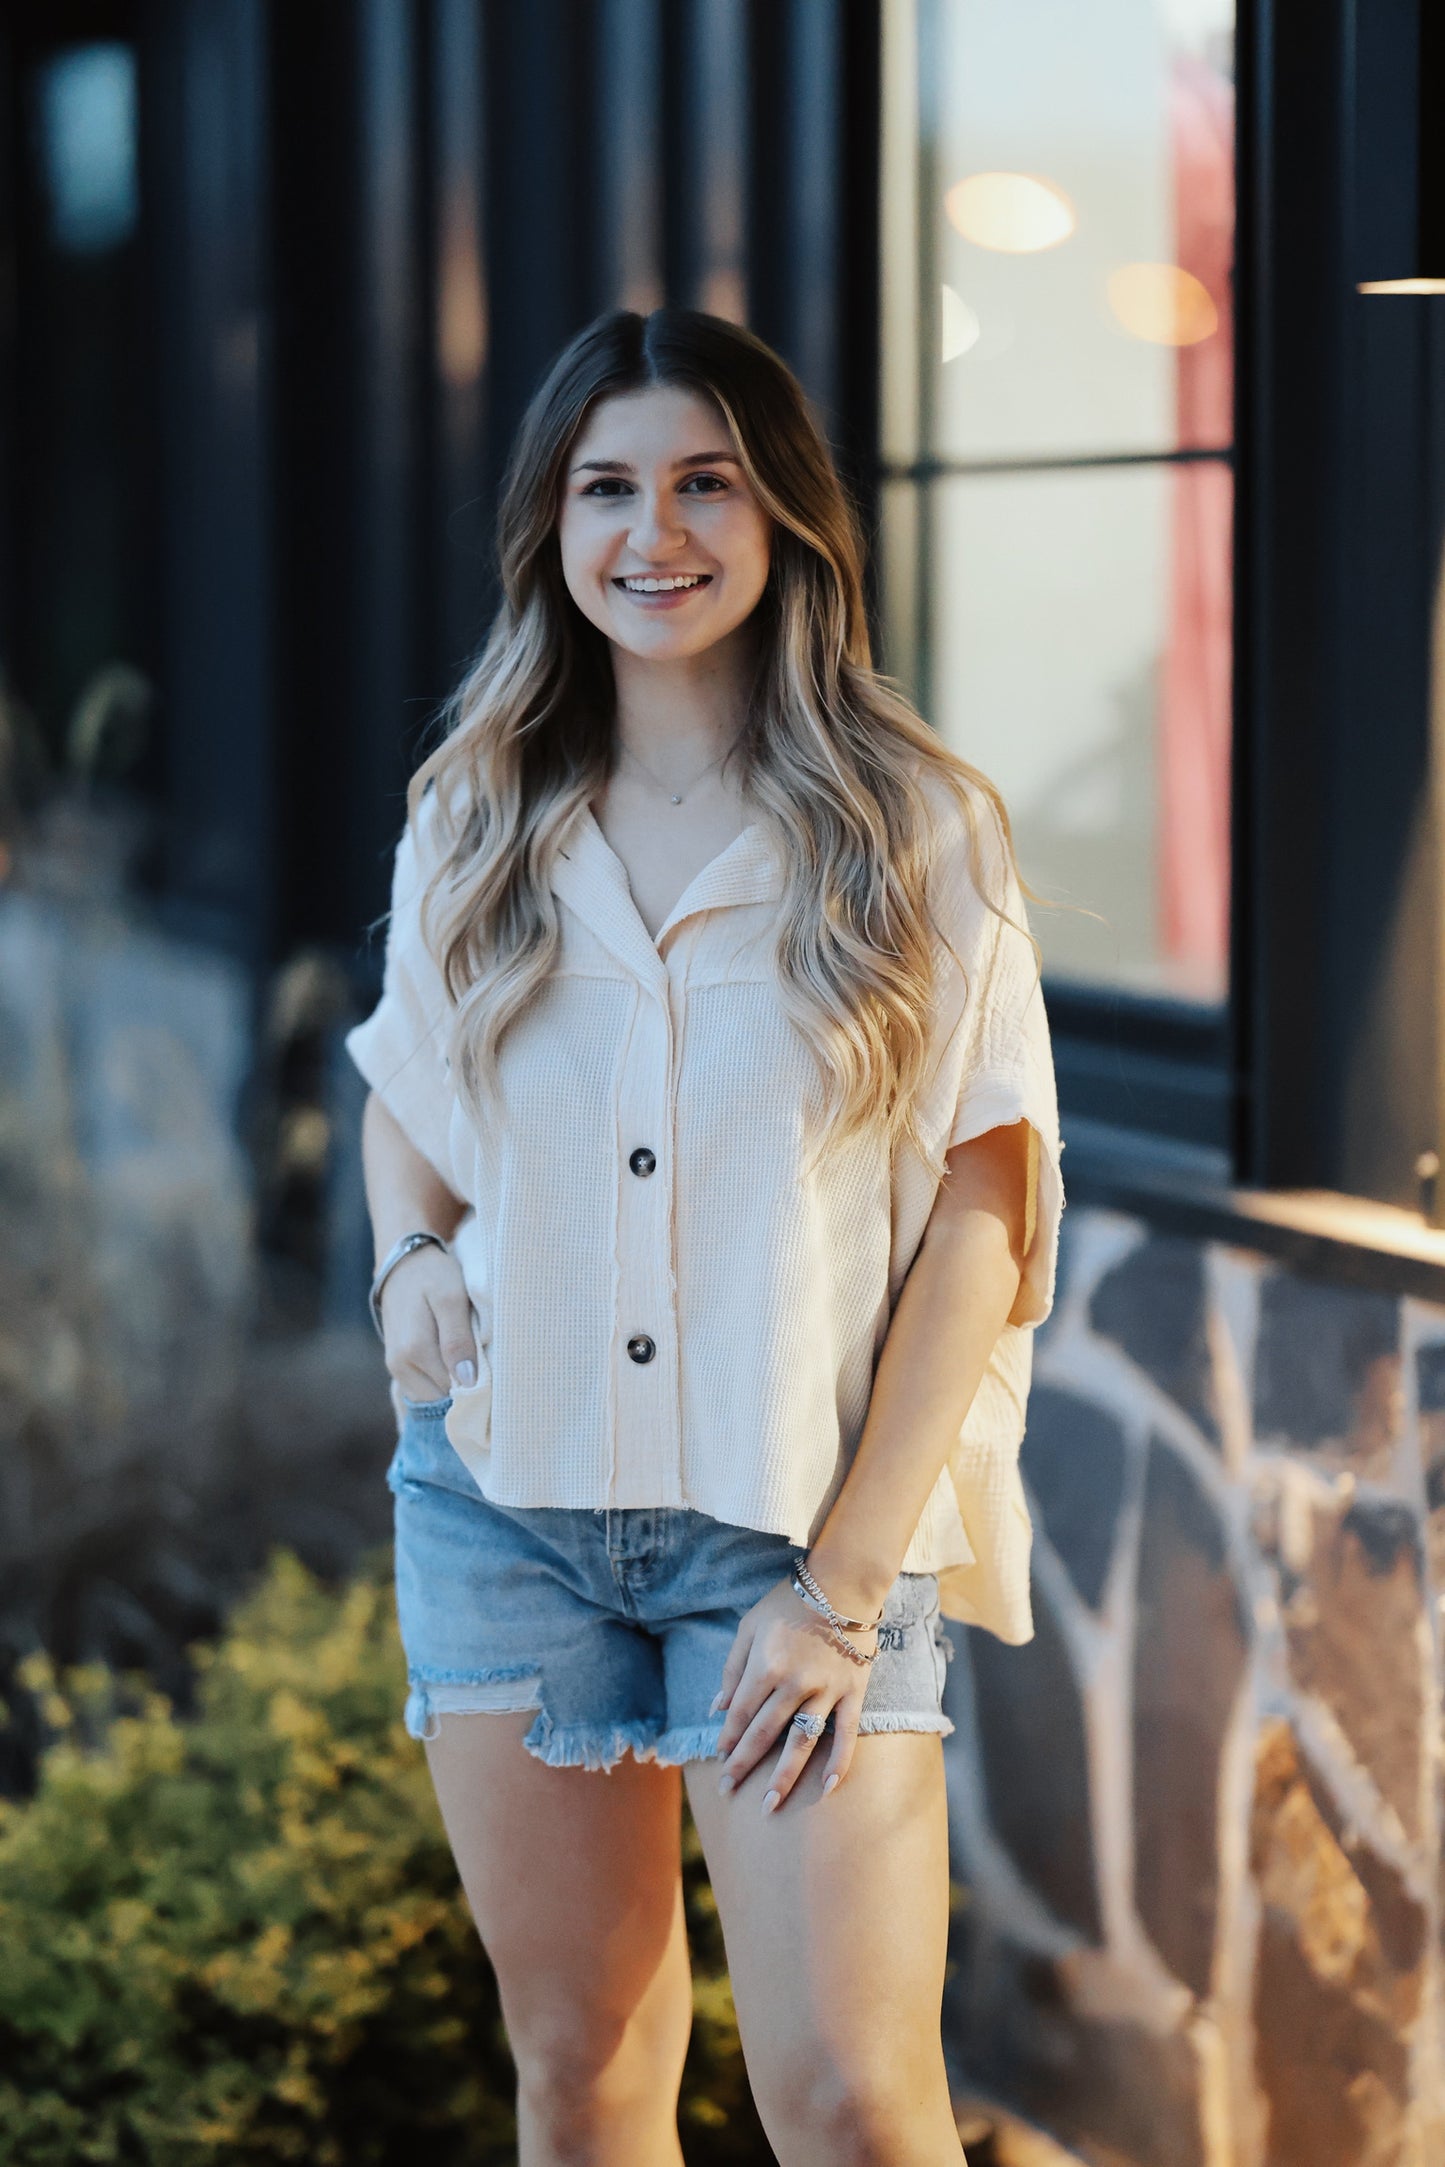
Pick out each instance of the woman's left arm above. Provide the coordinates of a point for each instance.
(960, 1292)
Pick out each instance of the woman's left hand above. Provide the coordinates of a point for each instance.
(784, 1659)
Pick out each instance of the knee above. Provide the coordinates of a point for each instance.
(563, 2072)
(576, 2077)
(853, 2114)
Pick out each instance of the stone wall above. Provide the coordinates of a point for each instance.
(1197, 1820)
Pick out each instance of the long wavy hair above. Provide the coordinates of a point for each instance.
(830, 749)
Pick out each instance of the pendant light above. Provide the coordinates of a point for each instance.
(1426, 274)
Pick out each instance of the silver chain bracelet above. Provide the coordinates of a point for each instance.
(806, 1586)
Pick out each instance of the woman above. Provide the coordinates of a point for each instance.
(708, 1086)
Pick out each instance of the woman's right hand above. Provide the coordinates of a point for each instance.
(426, 1321)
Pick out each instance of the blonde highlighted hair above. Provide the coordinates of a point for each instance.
(831, 750)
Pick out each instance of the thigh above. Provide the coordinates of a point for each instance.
(835, 1915)
(574, 1880)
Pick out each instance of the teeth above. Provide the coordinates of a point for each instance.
(662, 586)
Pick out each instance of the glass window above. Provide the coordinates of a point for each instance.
(1058, 217)
(86, 97)
(81, 606)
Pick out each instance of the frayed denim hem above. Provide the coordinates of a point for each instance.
(939, 1725)
(498, 1692)
(698, 1744)
(598, 1746)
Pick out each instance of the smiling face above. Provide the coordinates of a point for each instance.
(664, 546)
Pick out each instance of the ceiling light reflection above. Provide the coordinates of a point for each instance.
(1161, 304)
(961, 328)
(1014, 213)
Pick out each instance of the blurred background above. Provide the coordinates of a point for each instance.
(1125, 320)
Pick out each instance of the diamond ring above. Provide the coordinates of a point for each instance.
(811, 1726)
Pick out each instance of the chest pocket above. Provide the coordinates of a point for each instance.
(749, 1087)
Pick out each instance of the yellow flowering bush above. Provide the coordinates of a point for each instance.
(239, 1937)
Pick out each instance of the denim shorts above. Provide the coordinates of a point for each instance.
(612, 1625)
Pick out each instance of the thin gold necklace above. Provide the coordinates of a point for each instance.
(677, 796)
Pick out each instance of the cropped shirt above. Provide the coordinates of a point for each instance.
(671, 1306)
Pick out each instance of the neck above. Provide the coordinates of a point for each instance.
(676, 716)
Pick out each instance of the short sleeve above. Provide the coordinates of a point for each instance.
(401, 1047)
(1003, 1065)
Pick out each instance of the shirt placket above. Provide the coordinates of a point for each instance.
(647, 1457)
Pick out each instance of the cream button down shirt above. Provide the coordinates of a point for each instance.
(671, 1308)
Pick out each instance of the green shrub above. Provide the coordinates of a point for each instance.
(239, 1938)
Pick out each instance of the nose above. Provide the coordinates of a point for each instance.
(657, 528)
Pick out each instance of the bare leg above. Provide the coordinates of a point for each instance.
(835, 1914)
(574, 1880)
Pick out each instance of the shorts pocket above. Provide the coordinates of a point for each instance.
(425, 1458)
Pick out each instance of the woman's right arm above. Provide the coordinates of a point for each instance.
(426, 1315)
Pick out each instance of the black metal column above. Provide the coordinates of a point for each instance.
(206, 181)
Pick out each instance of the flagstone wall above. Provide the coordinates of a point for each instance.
(1197, 1820)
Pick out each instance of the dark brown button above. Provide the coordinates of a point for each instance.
(643, 1161)
(641, 1348)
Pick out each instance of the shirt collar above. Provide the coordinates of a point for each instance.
(589, 876)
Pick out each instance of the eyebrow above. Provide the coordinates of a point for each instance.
(693, 459)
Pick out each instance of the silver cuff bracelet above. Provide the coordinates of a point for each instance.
(388, 1264)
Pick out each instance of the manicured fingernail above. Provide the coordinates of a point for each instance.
(466, 1375)
(728, 1783)
(830, 1785)
(771, 1801)
(716, 1704)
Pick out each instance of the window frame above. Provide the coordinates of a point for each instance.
(1338, 898)
(1317, 1071)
